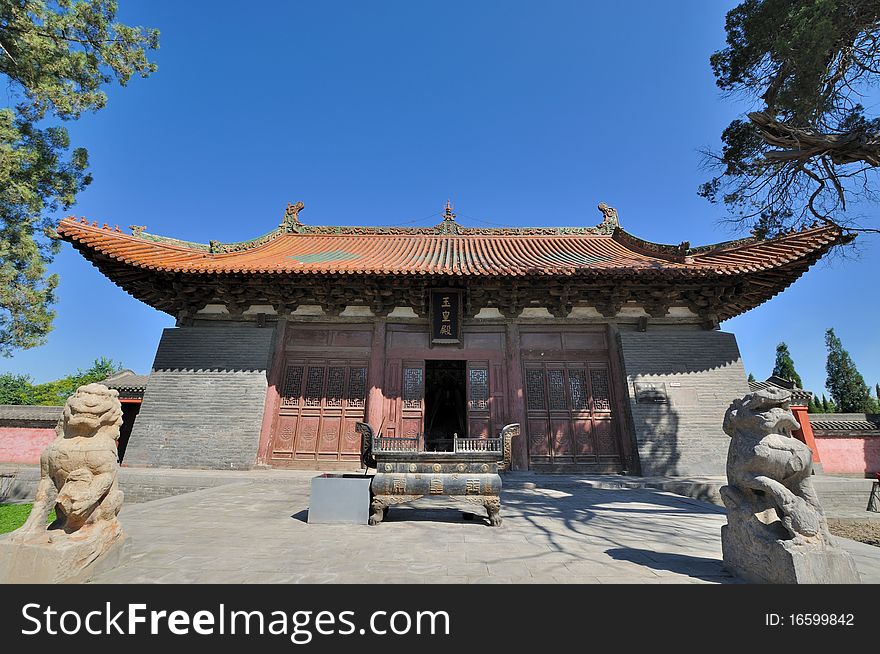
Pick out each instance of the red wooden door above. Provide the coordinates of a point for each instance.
(486, 405)
(321, 400)
(569, 417)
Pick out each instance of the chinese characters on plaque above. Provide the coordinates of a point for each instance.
(445, 316)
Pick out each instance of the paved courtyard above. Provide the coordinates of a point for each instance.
(556, 530)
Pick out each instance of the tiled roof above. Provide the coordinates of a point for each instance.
(845, 422)
(449, 250)
(798, 395)
(127, 380)
(29, 412)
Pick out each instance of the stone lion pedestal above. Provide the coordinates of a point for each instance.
(776, 531)
(78, 475)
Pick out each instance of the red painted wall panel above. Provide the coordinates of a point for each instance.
(849, 455)
(23, 444)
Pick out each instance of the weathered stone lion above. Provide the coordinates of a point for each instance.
(776, 531)
(78, 475)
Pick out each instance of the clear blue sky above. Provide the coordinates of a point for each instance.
(523, 113)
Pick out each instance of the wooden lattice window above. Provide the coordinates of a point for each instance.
(335, 386)
(577, 384)
(535, 389)
(412, 388)
(357, 387)
(556, 387)
(601, 397)
(314, 387)
(479, 395)
(290, 390)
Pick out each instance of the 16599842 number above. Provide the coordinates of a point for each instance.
(821, 619)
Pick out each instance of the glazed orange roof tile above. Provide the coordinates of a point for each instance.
(447, 250)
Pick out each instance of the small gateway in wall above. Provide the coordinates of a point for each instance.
(604, 347)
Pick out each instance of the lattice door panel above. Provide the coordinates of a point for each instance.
(321, 400)
(569, 414)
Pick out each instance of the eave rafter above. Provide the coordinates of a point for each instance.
(558, 268)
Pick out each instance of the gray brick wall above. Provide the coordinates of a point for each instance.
(703, 373)
(203, 406)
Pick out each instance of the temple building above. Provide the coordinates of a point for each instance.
(606, 348)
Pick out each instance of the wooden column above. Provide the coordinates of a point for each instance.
(274, 376)
(516, 400)
(626, 425)
(376, 376)
(805, 433)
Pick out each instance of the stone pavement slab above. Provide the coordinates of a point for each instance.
(556, 530)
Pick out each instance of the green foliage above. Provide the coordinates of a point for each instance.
(15, 389)
(811, 146)
(847, 387)
(815, 406)
(877, 391)
(18, 389)
(56, 58)
(784, 366)
(751, 377)
(828, 405)
(13, 516)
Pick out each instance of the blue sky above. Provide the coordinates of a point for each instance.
(523, 113)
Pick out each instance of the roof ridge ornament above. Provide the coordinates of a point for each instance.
(610, 214)
(448, 213)
(448, 226)
(291, 222)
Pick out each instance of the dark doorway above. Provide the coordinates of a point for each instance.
(445, 407)
(129, 413)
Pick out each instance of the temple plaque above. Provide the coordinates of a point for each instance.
(650, 393)
(445, 317)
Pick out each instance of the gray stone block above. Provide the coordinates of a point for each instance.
(71, 561)
(340, 499)
(203, 406)
(702, 372)
(787, 563)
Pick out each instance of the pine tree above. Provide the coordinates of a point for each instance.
(877, 390)
(815, 405)
(847, 386)
(752, 379)
(825, 405)
(784, 366)
(55, 60)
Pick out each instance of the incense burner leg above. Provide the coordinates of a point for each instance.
(493, 509)
(378, 510)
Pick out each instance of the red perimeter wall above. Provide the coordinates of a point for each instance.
(857, 456)
(24, 444)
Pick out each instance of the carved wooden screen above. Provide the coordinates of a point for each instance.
(479, 421)
(569, 414)
(412, 411)
(321, 401)
(485, 398)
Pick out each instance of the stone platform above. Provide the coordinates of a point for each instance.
(557, 529)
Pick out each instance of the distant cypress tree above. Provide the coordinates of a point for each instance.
(877, 390)
(825, 405)
(815, 405)
(752, 379)
(784, 366)
(847, 386)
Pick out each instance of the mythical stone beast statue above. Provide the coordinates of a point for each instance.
(78, 475)
(776, 529)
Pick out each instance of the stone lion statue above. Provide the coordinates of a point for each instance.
(80, 465)
(78, 476)
(767, 468)
(776, 529)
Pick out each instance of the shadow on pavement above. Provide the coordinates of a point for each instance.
(684, 564)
